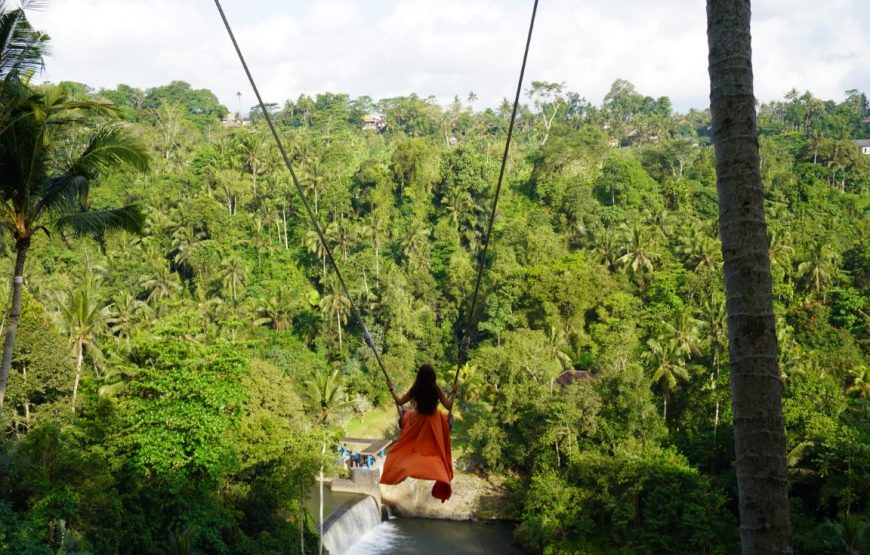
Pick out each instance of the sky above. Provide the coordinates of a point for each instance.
(442, 48)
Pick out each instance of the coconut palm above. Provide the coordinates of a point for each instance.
(638, 250)
(234, 272)
(314, 178)
(277, 311)
(125, 311)
(374, 233)
(47, 169)
(315, 246)
(558, 347)
(700, 251)
(184, 243)
(416, 248)
(341, 234)
(683, 332)
(81, 318)
(780, 251)
(161, 284)
(336, 307)
(253, 154)
(711, 318)
(21, 46)
(761, 469)
(860, 381)
(607, 248)
(323, 396)
(819, 268)
(667, 368)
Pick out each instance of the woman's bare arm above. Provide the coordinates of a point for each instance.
(403, 399)
(447, 402)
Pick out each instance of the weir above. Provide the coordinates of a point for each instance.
(349, 523)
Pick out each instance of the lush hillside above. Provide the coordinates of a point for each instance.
(214, 342)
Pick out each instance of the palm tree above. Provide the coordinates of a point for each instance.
(125, 311)
(459, 204)
(253, 154)
(374, 232)
(323, 396)
(860, 381)
(712, 321)
(668, 367)
(759, 430)
(660, 217)
(607, 248)
(780, 252)
(819, 268)
(638, 255)
(700, 251)
(683, 332)
(340, 233)
(558, 346)
(234, 272)
(314, 178)
(46, 175)
(277, 311)
(336, 306)
(161, 284)
(21, 46)
(185, 242)
(261, 241)
(316, 247)
(848, 534)
(416, 248)
(81, 319)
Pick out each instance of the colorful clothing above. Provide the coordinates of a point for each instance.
(423, 452)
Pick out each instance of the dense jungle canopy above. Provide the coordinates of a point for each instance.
(171, 389)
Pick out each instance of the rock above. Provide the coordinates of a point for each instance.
(473, 498)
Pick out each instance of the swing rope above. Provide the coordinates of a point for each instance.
(311, 215)
(465, 338)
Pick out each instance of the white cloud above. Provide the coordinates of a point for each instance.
(390, 47)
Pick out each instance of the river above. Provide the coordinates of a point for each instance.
(418, 536)
(415, 536)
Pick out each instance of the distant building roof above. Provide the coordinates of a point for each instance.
(862, 142)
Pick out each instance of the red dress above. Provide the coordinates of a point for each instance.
(423, 452)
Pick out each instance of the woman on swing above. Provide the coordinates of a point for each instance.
(423, 448)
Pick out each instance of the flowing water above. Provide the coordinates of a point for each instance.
(331, 500)
(353, 527)
(420, 536)
(348, 523)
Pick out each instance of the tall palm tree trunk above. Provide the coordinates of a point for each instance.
(80, 351)
(756, 388)
(14, 315)
(715, 380)
(338, 320)
(320, 508)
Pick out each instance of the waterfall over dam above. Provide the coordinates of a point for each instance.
(349, 523)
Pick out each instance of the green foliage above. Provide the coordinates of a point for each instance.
(646, 501)
(42, 374)
(223, 336)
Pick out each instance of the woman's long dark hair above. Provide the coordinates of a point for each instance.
(424, 392)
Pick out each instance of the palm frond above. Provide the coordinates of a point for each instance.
(21, 46)
(129, 218)
(34, 5)
(108, 147)
(111, 145)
